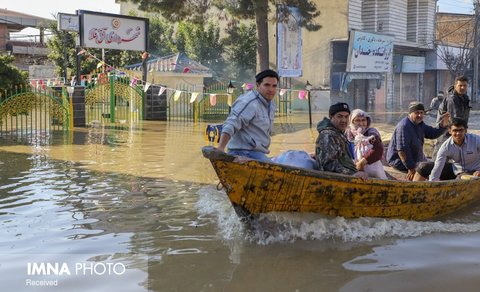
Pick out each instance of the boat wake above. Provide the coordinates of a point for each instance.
(289, 227)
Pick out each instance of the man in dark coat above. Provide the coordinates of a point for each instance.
(405, 149)
(457, 104)
(332, 149)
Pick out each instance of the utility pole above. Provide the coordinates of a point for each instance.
(475, 52)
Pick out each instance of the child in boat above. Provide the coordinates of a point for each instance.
(368, 146)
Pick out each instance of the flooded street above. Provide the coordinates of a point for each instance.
(138, 210)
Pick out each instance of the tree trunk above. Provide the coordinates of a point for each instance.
(261, 19)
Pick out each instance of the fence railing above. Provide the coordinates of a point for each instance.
(33, 110)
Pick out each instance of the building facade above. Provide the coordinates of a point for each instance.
(410, 23)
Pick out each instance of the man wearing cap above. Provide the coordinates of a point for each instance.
(248, 127)
(457, 104)
(332, 151)
(405, 149)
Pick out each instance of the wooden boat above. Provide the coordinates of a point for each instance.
(255, 187)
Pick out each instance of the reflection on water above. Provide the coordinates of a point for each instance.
(146, 192)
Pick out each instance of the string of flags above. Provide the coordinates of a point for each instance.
(102, 78)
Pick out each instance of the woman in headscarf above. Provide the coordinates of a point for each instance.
(368, 149)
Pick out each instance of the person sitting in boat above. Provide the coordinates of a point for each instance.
(405, 150)
(332, 151)
(249, 125)
(368, 144)
(459, 154)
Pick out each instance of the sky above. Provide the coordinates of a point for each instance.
(45, 8)
(456, 6)
(48, 8)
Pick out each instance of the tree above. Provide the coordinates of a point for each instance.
(260, 9)
(10, 76)
(195, 10)
(241, 49)
(456, 40)
(201, 43)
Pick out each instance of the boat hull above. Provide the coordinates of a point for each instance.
(255, 187)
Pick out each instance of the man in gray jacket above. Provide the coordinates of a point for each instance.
(248, 127)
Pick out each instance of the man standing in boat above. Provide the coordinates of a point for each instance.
(457, 104)
(462, 149)
(405, 150)
(332, 150)
(248, 127)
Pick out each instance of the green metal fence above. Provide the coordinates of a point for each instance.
(28, 111)
(113, 99)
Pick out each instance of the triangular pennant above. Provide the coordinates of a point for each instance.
(100, 64)
(177, 95)
(162, 90)
(249, 86)
(213, 99)
(302, 94)
(134, 81)
(147, 85)
(283, 91)
(194, 96)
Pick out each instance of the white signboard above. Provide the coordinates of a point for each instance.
(369, 52)
(413, 64)
(68, 22)
(110, 31)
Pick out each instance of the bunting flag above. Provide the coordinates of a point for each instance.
(283, 91)
(302, 94)
(177, 95)
(162, 90)
(213, 99)
(229, 100)
(81, 52)
(42, 85)
(186, 70)
(133, 82)
(249, 86)
(194, 96)
(100, 64)
(147, 85)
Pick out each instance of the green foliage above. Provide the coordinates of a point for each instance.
(241, 49)
(197, 12)
(201, 43)
(10, 76)
(177, 10)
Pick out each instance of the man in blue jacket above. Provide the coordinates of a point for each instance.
(405, 149)
(248, 128)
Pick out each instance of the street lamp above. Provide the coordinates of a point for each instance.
(308, 88)
(230, 87)
(70, 90)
